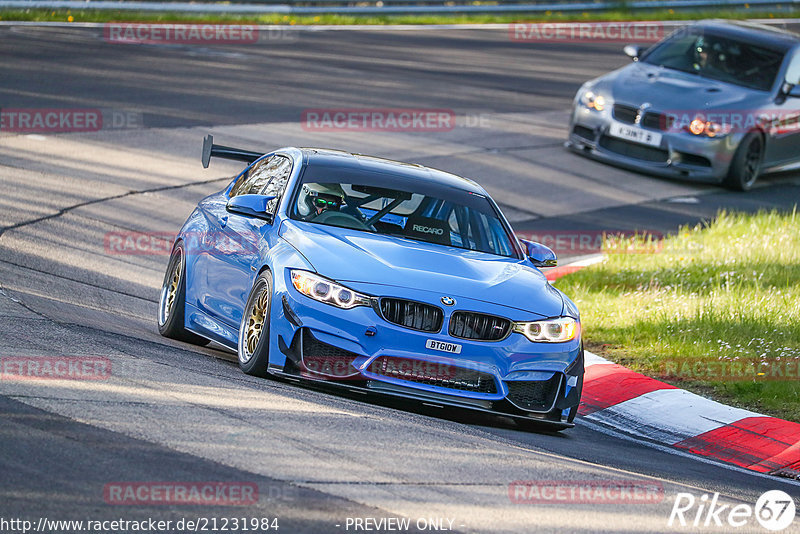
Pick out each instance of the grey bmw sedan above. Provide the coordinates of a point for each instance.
(715, 102)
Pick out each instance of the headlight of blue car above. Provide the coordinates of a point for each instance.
(327, 291)
(549, 331)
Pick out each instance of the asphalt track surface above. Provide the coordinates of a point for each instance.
(175, 412)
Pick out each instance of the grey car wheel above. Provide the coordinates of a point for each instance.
(746, 164)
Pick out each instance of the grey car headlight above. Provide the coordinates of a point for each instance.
(700, 126)
(555, 330)
(592, 100)
(324, 290)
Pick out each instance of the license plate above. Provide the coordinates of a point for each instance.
(635, 134)
(443, 346)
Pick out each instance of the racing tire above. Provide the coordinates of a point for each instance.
(746, 164)
(253, 346)
(172, 300)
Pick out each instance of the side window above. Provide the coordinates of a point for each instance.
(246, 184)
(237, 187)
(268, 177)
(280, 170)
(260, 175)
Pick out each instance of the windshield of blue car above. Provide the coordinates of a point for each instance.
(719, 58)
(441, 215)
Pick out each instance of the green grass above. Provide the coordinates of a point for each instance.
(724, 293)
(90, 15)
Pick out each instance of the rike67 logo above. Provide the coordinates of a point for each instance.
(774, 510)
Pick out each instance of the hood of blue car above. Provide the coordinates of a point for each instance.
(347, 255)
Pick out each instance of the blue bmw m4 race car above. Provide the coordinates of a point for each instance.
(377, 276)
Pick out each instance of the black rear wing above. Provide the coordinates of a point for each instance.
(218, 151)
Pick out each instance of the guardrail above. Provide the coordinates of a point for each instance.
(379, 7)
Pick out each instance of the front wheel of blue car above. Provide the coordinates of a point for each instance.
(253, 345)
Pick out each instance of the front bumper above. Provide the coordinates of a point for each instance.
(680, 154)
(359, 349)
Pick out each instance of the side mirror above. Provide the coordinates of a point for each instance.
(789, 90)
(633, 51)
(251, 206)
(540, 255)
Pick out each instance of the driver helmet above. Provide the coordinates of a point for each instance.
(707, 52)
(316, 198)
(700, 48)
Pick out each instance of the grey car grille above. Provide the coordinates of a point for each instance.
(650, 119)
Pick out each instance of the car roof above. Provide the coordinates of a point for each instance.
(324, 157)
(759, 34)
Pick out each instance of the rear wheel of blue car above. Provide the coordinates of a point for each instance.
(171, 302)
(253, 345)
(746, 164)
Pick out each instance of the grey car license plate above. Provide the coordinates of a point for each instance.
(634, 133)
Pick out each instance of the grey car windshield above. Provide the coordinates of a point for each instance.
(719, 58)
(443, 216)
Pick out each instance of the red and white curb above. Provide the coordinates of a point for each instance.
(557, 272)
(639, 405)
(648, 408)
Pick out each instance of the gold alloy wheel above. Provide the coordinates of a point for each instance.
(170, 290)
(255, 323)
